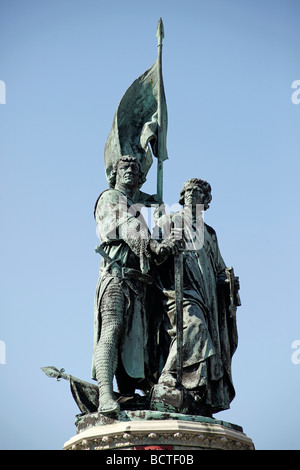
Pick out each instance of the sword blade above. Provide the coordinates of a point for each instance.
(178, 271)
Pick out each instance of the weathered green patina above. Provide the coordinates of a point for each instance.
(197, 372)
(141, 119)
(125, 321)
(165, 302)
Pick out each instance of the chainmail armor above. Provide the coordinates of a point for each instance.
(106, 354)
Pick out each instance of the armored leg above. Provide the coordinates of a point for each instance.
(112, 309)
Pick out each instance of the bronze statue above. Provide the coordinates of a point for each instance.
(122, 319)
(209, 335)
(164, 305)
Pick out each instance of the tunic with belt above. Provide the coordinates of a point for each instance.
(125, 239)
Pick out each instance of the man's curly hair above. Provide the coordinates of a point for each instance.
(204, 185)
(113, 175)
(125, 158)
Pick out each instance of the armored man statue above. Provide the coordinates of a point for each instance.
(123, 322)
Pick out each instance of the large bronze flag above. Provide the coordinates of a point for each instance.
(140, 120)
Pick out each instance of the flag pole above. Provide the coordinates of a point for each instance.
(160, 143)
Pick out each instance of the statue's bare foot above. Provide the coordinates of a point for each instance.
(108, 405)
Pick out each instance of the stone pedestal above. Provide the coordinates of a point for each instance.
(150, 430)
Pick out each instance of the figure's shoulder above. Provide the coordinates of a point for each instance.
(210, 230)
(108, 196)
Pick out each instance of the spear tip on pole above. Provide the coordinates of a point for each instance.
(160, 34)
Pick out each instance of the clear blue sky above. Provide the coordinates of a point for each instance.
(228, 68)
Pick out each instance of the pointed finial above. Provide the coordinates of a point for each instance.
(52, 371)
(160, 34)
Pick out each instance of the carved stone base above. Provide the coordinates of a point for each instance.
(145, 430)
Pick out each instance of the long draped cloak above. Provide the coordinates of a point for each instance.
(209, 330)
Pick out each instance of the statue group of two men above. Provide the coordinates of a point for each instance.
(135, 331)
